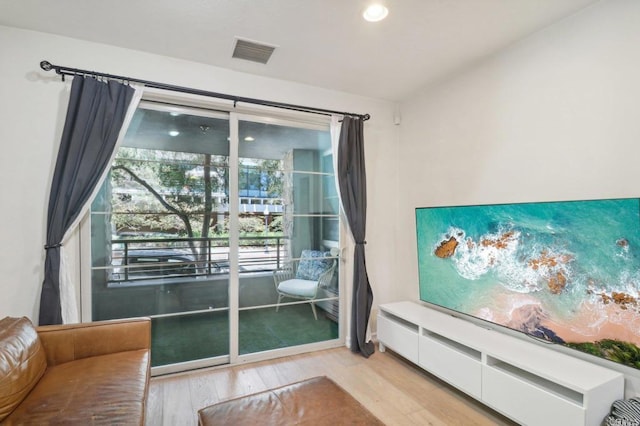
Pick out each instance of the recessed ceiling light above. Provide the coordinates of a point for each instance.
(375, 12)
(174, 133)
(174, 114)
(249, 139)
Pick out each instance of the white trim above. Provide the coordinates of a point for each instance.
(179, 109)
(86, 310)
(181, 367)
(285, 120)
(345, 281)
(304, 172)
(234, 237)
(271, 115)
(288, 351)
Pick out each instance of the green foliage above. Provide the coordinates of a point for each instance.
(165, 191)
(614, 350)
(248, 225)
(148, 223)
(251, 225)
(276, 224)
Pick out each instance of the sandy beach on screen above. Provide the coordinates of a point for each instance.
(593, 321)
(599, 321)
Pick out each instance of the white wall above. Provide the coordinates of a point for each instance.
(32, 107)
(554, 117)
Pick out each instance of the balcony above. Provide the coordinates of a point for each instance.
(144, 260)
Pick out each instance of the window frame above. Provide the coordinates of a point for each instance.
(186, 104)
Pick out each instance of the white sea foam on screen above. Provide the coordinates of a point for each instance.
(509, 264)
(473, 260)
(516, 275)
(629, 282)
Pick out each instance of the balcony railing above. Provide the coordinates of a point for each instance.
(153, 258)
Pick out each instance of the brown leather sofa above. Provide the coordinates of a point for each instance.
(85, 374)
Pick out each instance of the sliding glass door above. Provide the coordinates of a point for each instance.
(199, 216)
(286, 208)
(160, 245)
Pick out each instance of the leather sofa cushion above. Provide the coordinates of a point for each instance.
(314, 402)
(22, 362)
(107, 389)
(70, 342)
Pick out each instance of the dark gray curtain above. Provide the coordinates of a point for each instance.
(95, 115)
(353, 193)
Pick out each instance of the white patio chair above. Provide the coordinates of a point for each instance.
(301, 279)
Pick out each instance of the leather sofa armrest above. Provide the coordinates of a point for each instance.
(69, 342)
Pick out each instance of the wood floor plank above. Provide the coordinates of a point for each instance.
(177, 408)
(250, 379)
(155, 403)
(290, 371)
(269, 374)
(312, 363)
(425, 417)
(373, 383)
(203, 390)
(396, 391)
(410, 378)
(227, 384)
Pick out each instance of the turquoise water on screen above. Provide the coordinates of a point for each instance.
(593, 246)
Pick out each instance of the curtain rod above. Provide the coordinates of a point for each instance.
(61, 70)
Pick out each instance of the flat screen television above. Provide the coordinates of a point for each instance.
(566, 272)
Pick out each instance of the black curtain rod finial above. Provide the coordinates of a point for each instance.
(46, 65)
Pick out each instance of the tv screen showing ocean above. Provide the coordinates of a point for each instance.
(566, 272)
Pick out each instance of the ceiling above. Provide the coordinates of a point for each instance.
(205, 132)
(323, 43)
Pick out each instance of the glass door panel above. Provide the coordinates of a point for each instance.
(160, 241)
(285, 186)
(161, 226)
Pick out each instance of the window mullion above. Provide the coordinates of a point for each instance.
(234, 236)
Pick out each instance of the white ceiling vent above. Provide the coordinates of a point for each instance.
(253, 51)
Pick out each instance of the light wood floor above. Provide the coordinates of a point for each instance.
(396, 391)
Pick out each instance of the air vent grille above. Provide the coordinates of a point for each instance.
(253, 51)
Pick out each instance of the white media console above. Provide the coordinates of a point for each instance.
(525, 381)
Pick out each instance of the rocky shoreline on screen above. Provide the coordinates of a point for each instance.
(528, 319)
(447, 248)
(551, 266)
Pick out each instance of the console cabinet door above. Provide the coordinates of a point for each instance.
(529, 402)
(399, 336)
(456, 364)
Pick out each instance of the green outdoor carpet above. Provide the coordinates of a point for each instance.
(191, 337)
